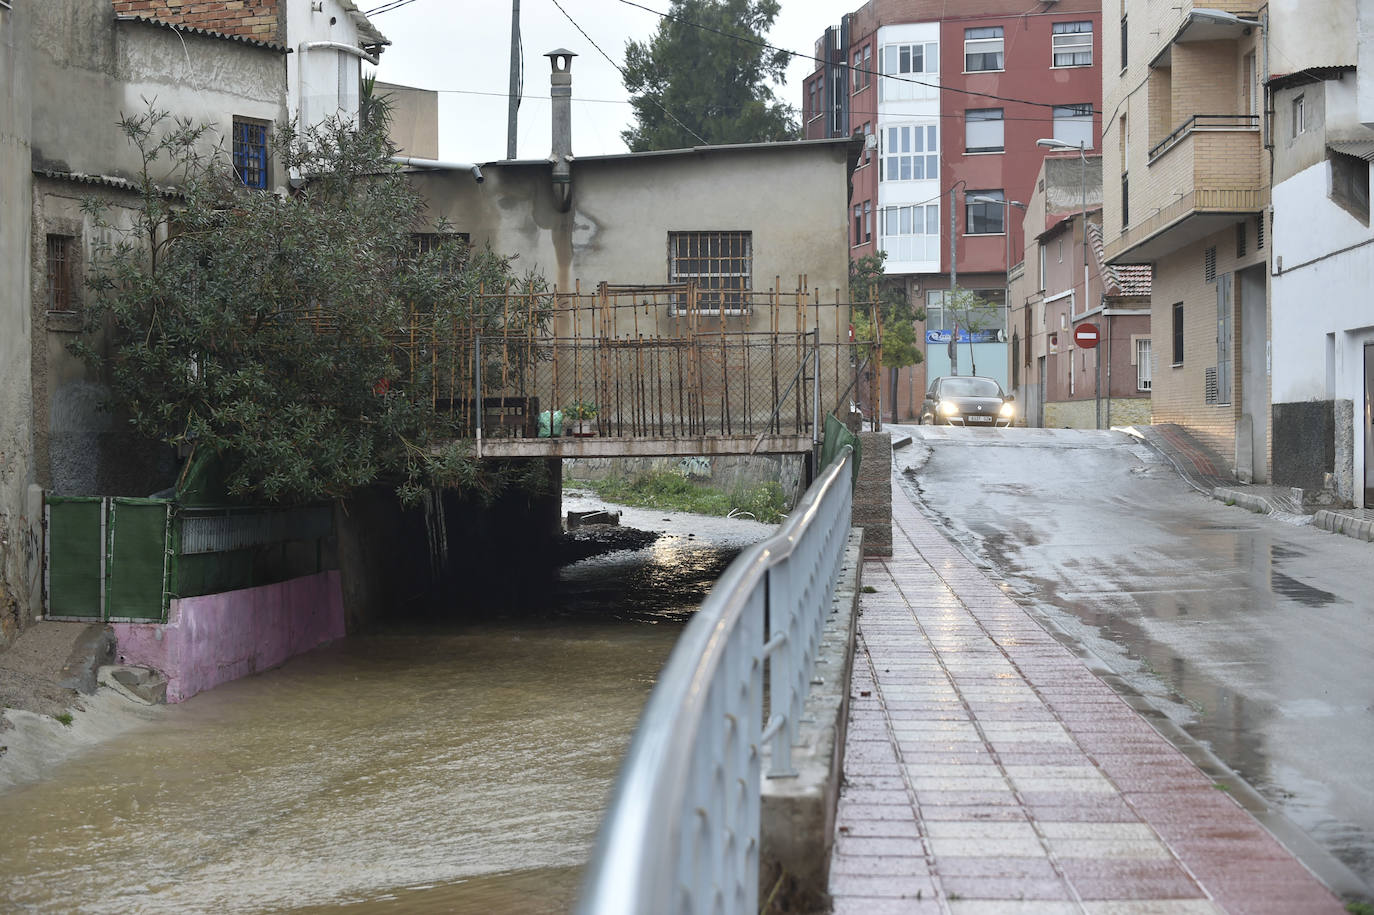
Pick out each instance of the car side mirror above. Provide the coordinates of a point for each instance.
(1010, 397)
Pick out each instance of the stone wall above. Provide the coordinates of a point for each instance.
(873, 493)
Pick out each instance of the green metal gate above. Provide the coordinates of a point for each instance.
(108, 558)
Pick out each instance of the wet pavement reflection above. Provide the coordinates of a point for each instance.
(1251, 633)
(459, 768)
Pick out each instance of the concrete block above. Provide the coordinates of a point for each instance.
(797, 819)
(94, 648)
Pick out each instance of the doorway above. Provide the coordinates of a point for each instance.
(1254, 376)
(1369, 425)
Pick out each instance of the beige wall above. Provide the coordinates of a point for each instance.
(18, 542)
(89, 69)
(791, 197)
(414, 119)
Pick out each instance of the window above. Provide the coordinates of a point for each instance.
(451, 245)
(863, 68)
(912, 153)
(910, 233)
(720, 263)
(1072, 44)
(868, 133)
(61, 260)
(868, 220)
(813, 103)
(912, 63)
(983, 49)
(1209, 264)
(1178, 333)
(858, 224)
(1074, 124)
(1242, 236)
(1142, 364)
(983, 130)
(1123, 42)
(1041, 246)
(983, 218)
(1125, 201)
(250, 152)
(1299, 115)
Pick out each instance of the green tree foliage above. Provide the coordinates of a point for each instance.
(868, 283)
(706, 68)
(267, 330)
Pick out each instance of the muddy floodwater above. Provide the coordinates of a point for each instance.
(444, 768)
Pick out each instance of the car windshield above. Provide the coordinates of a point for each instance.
(970, 387)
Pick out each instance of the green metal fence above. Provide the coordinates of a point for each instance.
(109, 558)
(123, 559)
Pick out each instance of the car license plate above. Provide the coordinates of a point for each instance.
(980, 419)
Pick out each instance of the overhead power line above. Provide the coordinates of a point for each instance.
(905, 79)
(612, 62)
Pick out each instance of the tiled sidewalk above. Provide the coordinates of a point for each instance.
(987, 770)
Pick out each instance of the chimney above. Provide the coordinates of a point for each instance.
(561, 157)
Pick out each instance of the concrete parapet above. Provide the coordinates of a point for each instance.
(1349, 523)
(797, 822)
(216, 638)
(873, 493)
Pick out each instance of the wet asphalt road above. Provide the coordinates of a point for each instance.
(1253, 633)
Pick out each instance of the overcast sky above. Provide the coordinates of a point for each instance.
(462, 49)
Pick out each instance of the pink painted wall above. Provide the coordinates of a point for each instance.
(216, 638)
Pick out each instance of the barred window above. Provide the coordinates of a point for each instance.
(720, 263)
(1072, 44)
(250, 152)
(61, 251)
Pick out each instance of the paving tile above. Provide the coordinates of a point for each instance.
(862, 905)
(1005, 888)
(859, 795)
(1153, 907)
(973, 829)
(1132, 832)
(881, 885)
(904, 828)
(892, 866)
(973, 866)
(966, 848)
(852, 811)
(931, 813)
(1010, 907)
(1148, 849)
(880, 847)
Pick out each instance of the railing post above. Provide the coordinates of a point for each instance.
(477, 407)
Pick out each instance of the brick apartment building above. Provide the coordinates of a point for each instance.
(955, 100)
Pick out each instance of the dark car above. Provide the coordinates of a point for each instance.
(967, 400)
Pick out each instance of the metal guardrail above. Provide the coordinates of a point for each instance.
(1204, 122)
(682, 831)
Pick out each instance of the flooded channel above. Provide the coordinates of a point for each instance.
(459, 768)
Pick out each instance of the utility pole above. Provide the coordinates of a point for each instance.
(513, 101)
(953, 288)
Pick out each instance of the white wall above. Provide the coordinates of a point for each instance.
(323, 82)
(1323, 300)
(923, 109)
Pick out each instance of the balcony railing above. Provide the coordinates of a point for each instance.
(1204, 122)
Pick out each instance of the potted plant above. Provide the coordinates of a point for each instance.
(582, 418)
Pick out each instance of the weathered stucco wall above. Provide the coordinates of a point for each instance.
(17, 547)
(90, 69)
(220, 637)
(792, 196)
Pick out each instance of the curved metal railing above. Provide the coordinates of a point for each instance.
(682, 831)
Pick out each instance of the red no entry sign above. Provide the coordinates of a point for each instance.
(1085, 335)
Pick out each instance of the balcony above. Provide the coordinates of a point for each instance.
(1199, 179)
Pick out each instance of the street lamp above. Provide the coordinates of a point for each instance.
(1006, 230)
(1081, 147)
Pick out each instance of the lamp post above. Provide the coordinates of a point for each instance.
(1006, 230)
(1081, 147)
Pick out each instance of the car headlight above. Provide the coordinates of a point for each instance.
(1007, 411)
(949, 408)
